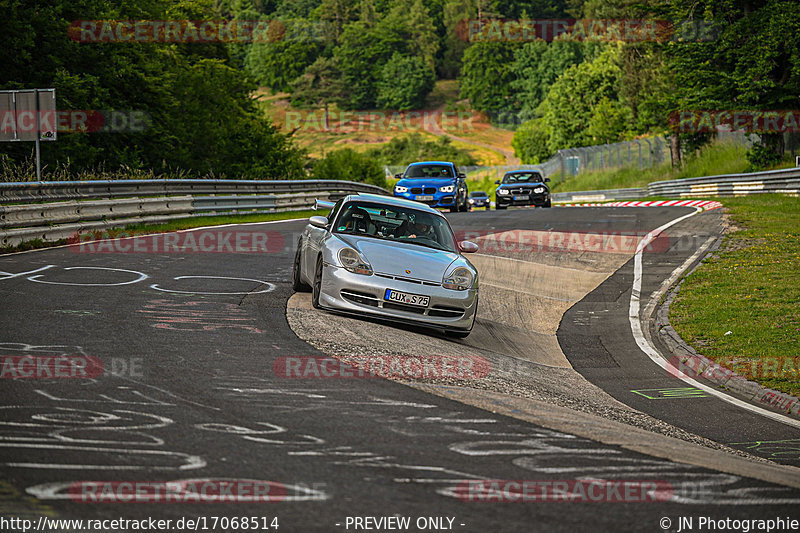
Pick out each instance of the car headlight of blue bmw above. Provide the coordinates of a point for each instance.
(352, 262)
(447, 188)
(400, 189)
(459, 279)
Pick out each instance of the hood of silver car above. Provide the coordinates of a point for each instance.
(400, 259)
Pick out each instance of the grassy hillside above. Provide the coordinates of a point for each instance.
(469, 131)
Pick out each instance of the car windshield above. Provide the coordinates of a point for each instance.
(429, 171)
(477, 194)
(394, 223)
(523, 177)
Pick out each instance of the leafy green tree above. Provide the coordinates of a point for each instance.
(412, 24)
(456, 17)
(363, 52)
(609, 121)
(486, 76)
(278, 63)
(347, 164)
(569, 106)
(537, 65)
(751, 61)
(337, 14)
(320, 84)
(405, 82)
(530, 143)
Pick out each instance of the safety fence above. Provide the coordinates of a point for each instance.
(51, 211)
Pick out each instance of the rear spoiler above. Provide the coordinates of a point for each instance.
(322, 204)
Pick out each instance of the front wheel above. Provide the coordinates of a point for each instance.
(298, 285)
(317, 284)
(548, 203)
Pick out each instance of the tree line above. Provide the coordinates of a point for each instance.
(387, 54)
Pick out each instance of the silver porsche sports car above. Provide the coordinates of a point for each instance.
(389, 257)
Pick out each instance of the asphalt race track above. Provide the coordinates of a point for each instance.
(188, 392)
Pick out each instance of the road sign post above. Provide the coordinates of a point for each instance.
(21, 113)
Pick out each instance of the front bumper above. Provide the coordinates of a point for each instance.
(440, 199)
(355, 293)
(535, 199)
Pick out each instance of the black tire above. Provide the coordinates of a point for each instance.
(317, 284)
(298, 285)
(488, 206)
(548, 203)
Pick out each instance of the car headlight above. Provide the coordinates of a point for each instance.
(538, 189)
(459, 279)
(352, 262)
(400, 189)
(447, 188)
(502, 192)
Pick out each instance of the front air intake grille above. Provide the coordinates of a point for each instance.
(403, 307)
(360, 298)
(446, 312)
(409, 280)
(430, 190)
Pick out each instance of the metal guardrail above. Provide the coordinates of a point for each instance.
(785, 181)
(599, 196)
(107, 189)
(64, 209)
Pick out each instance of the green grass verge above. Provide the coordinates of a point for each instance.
(750, 288)
(173, 225)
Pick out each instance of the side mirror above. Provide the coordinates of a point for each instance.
(318, 222)
(468, 247)
(546, 180)
(462, 175)
(497, 182)
(322, 204)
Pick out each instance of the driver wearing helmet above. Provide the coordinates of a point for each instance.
(422, 226)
